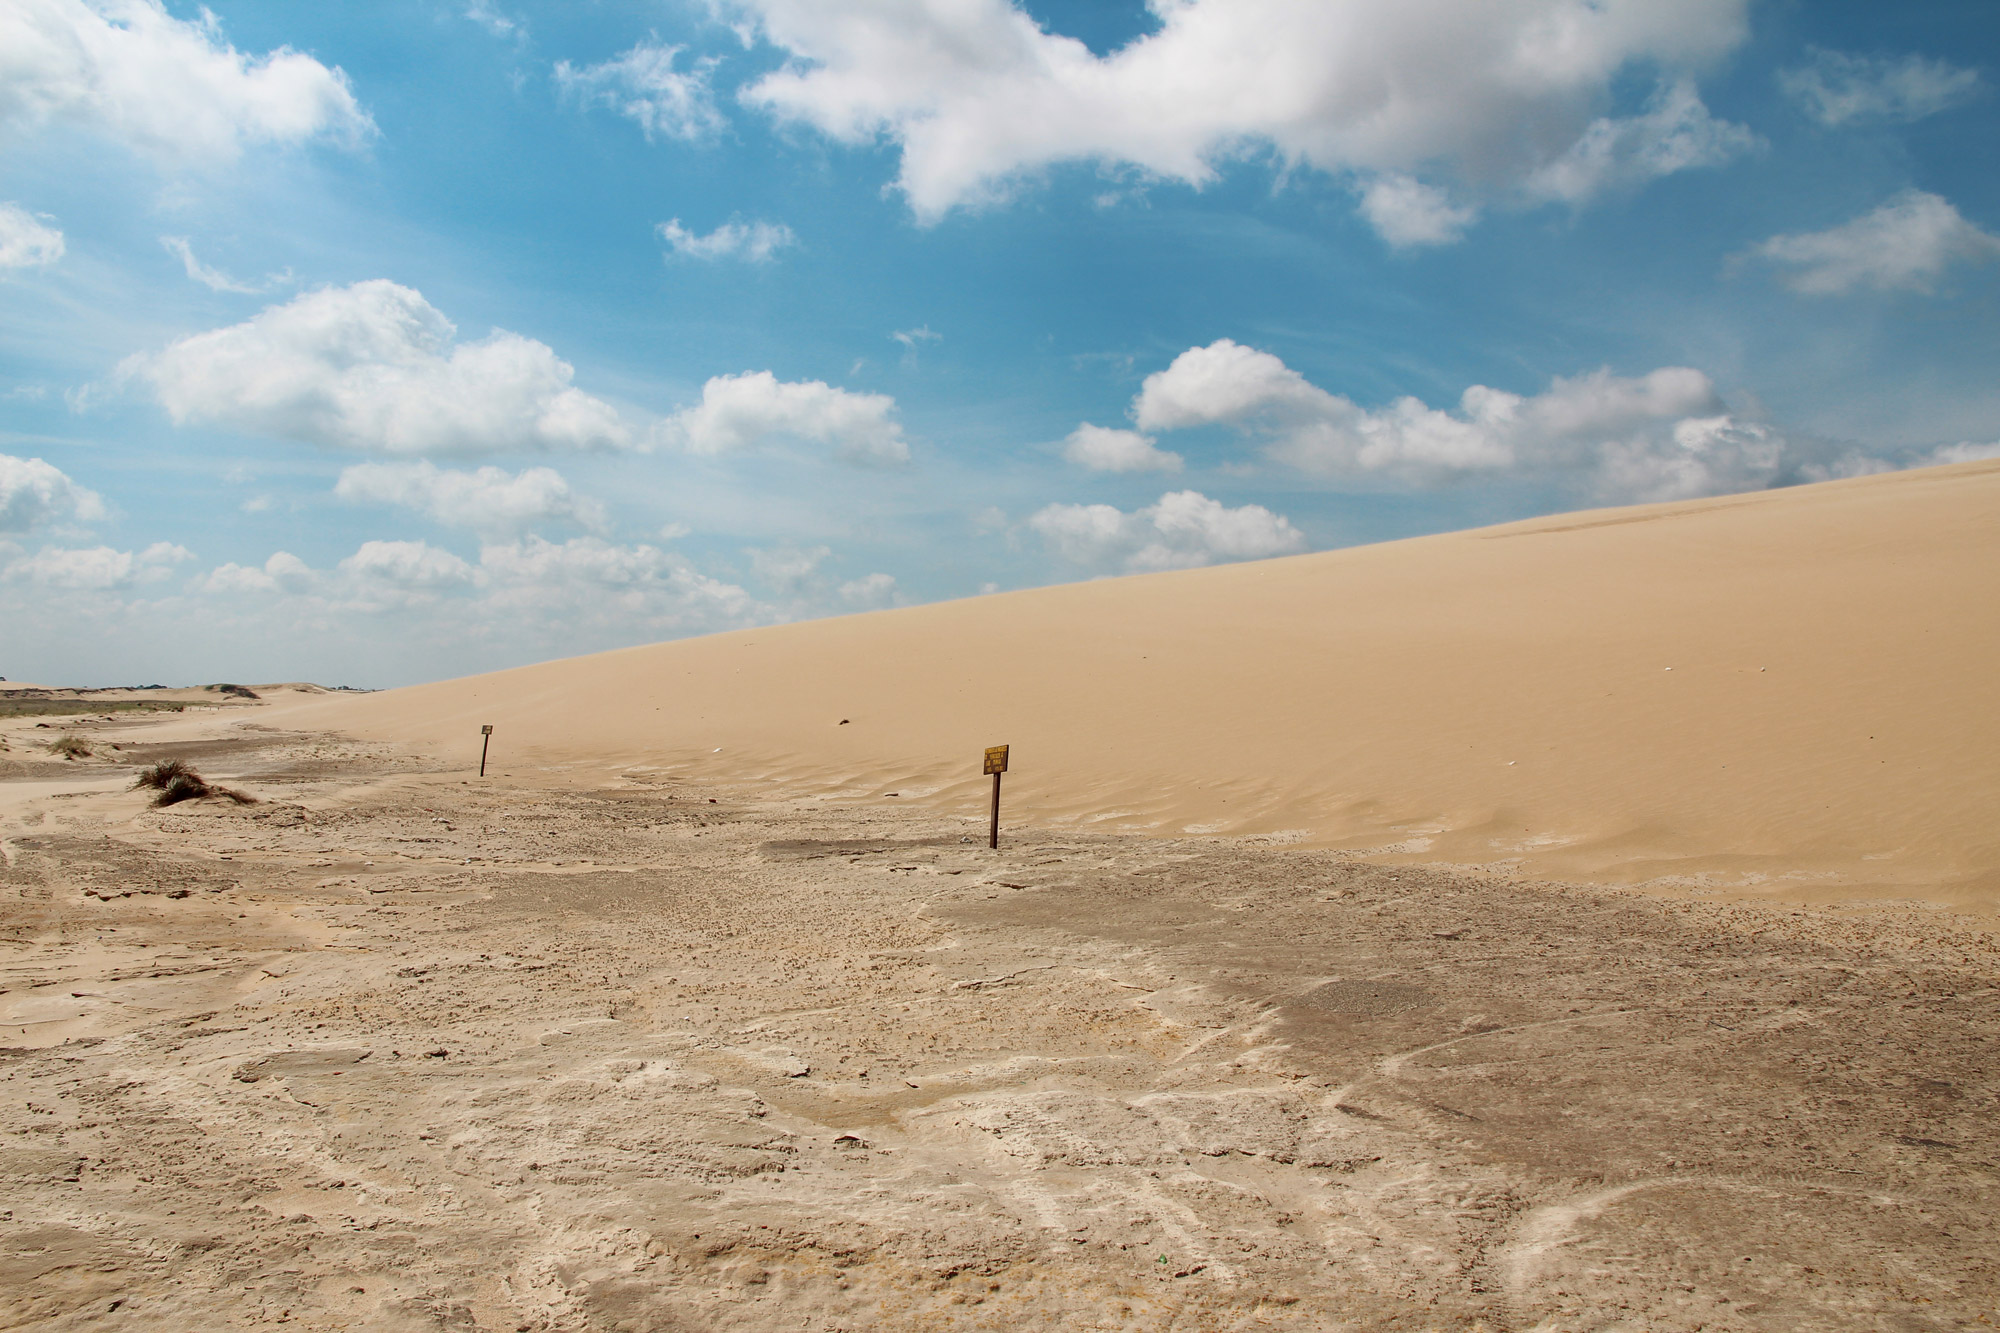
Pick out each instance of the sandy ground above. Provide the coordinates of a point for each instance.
(1786, 695)
(574, 1048)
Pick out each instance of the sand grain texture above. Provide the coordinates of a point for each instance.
(395, 1050)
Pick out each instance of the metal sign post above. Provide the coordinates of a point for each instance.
(485, 739)
(996, 764)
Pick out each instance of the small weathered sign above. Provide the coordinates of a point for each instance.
(485, 739)
(486, 730)
(996, 764)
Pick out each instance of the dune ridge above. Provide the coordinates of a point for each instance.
(1786, 692)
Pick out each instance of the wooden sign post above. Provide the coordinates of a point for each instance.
(485, 739)
(996, 764)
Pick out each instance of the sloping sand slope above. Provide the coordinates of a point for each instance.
(1793, 692)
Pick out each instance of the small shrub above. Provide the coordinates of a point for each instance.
(175, 780)
(70, 747)
(236, 691)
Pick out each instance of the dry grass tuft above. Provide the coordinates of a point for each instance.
(176, 780)
(70, 747)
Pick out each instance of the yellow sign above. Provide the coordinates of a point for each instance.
(996, 759)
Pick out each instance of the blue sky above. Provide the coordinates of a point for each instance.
(381, 342)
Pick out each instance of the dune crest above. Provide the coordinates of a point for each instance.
(1787, 692)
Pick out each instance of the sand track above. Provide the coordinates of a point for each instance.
(395, 1050)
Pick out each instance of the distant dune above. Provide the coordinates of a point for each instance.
(1791, 692)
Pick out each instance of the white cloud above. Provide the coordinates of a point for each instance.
(979, 97)
(415, 567)
(1225, 381)
(1963, 452)
(870, 590)
(487, 500)
(212, 278)
(560, 586)
(97, 568)
(25, 242)
(167, 86)
(1183, 530)
(1905, 245)
(491, 19)
(643, 84)
(35, 494)
(1102, 449)
(1676, 133)
(586, 577)
(756, 242)
(914, 338)
(1406, 212)
(737, 411)
(1664, 435)
(283, 572)
(1836, 88)
(374, 367)
(1661, 435)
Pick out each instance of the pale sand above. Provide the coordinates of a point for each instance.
(1790, 693)
(400, 1050)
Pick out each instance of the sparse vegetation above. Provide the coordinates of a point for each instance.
(42, 705)
(70, 746)
(176, 780)
(235, 691)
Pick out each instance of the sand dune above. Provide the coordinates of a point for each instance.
(1787, 692)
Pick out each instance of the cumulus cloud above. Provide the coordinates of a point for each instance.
(1905, 245)
(25, 241)
(756, 242)
(171, 87)
(643, 85)
(487, 500)
(1183, 530)
(560, 587)
(406, 567)
(283, 572)
(737, 411)
(1836, 89)
(97, 568)
(1225, 381)
(1491, 96)
(1405, 212)
(587, 575)
(1102, 449)
(375, 367)
(1664, 435)
(35, 494)
(1308, 428)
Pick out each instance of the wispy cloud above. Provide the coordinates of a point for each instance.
(756, 242)
(1907, 244)
(1836, 89)
(644, 85)
(213, 278)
